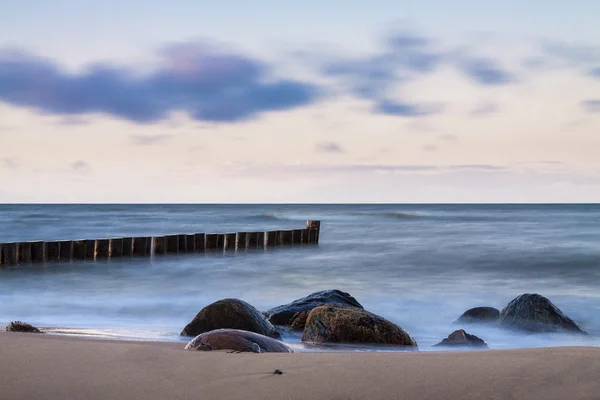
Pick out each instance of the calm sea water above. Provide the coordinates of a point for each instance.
(419, 266)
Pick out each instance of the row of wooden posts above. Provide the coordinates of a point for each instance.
(100, 249)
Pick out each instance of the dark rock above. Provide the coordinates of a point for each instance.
(284, 315)
(334, 324)
(479, 315)
(230, 314)
(535, 313)
(460, 338)
(277, 372)
(298, 321)
(18, 326)
(237, 341)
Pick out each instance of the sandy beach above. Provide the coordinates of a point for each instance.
(58, 367)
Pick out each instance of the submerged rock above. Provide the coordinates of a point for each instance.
(18, 326)
(238, 341)
(535, 313)
(334, 324)
(479, 315)
(460, 338)
(286, 314)
(230, 314)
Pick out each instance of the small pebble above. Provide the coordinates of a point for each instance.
(278, 372)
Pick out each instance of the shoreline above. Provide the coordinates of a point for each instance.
(34, 366)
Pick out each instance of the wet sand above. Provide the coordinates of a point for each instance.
(57, 367)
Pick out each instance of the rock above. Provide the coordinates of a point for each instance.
(237, 340)
(298, 321)
(479, 315)
(284, 315)
(18, 326)
(334, 324)
(535, 313)
(460, 338)
(230, 314)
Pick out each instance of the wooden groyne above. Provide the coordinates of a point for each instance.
(18, 253)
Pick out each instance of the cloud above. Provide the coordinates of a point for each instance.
(9, 164)
(329, 147)
(207, 83)
(595, 72)
(484, 109)
(430, 147)
(591, 105)
(404, 109)
(72, 120)
(147, 140)
(80, 167)
(485, 71)
(448, 138)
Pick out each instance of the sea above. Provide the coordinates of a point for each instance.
(418, 265)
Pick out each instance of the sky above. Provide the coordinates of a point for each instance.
(315, 101)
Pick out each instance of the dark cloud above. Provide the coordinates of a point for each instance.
(485, 71)
(209, 84)
(591, 105)
(147, 140)
(329, 147)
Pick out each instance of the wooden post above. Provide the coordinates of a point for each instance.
(115, 247)
(229, 240)
(1, 254)
(80, 249)
(172, 244)
(90, 250)
(52, 251)
(141, 246)
(314, 228)
(200, 242)
(127, 247)
(182, 242)
(190, 243)
(220, 241)
(297, 237)
(24, 253)
(102, 249)
(66, 250)
(252, 240)
(272, 238)
(159, 244)
(10, 253)
(38, 252)
(211, 241)
(262, 240)
(286, 238)
(241, 241)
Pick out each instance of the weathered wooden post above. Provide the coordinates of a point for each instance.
(229, 240)
(38, 252)
(115, 247)
(80, 249)
(252, 240)
(10, 253)
(211, 241)
(182, 242)
(285, 238)
(297, 236)
(52, 251)
(24, 253)
(241, 241)
(271, 238)
(200, 242)
(102, 249)
(159, 243)
(141, 246)
(1, 254)
(172, 244)
(90, 250)
(127, 247)
(314, 228)
(190, 243)
(65, 250)
(220, 241)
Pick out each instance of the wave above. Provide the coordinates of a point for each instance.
(390, 214)
(268, 216)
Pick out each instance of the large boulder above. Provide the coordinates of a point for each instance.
(460, 338)
(237, 341)
(535, 313)
(230, 314)
(334, 324)
(18, 326)
(479, 315)
(288, 314)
